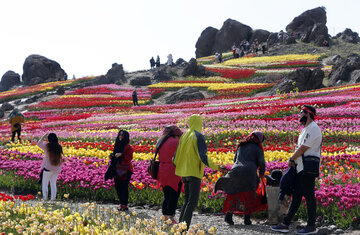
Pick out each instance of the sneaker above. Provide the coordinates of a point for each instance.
(280, 228)
(307, 230)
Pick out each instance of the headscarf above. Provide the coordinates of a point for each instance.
(120, 145)
(168, 132)
(256, 137)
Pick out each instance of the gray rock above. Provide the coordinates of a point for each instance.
(335, 59)
(60, 90)
(39, 69)
(311, 24)
(2, 113)
(355, 77)
(115, 74)
(349, 36)
(160, 75)
(304, 79)
(339, 231)
(9, 79)
(205, 42)
(343, 69)
(290, 40)
(6, 107)
(194, 69)
(231, 32)
(140, 81)
(260, 35)
(323, 231)
(272, 39)
(184, 94)
(180, 62)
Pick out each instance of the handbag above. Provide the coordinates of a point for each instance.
(311, 165)
(153, 167)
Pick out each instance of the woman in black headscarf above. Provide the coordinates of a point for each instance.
(121, 167)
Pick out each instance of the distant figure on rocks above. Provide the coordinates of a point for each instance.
(170, 60)
(157, 61)
(134, 98)
(15, 119)
(152, 62)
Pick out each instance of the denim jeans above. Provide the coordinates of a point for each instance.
(307, 185)
(192, 192)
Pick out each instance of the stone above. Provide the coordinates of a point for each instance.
(272, 39)
(260, 35)
(180, 61)
(7, 107)
(193, 69)
(323, 231)
(355, 77)
(311, 24)
(115, 74)
(160, 75)
(184, 94)
(9, 79)
(290, 40)
(60, 90)
(2, 113)
(342, 70)
(349, 36)
(205, 42)
(231, 32)
(39, 69)
(140, 81)
(303, 79)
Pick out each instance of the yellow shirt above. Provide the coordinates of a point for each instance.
(14, 120)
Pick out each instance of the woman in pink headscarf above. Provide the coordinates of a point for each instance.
(241, 182)
(171, 183)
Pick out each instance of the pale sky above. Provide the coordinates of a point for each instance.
(87, 36)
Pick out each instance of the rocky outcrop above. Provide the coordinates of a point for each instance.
(355, 77)
(260, 35)
(272, 39)
(2, 113)
(140, 81)
(342, 70)
(160, 75)
(349, 36)
(115, 74)
(184, 94)
(304, 79)
(8, 80)
(311, 25)
(6, 107)
(181, 62)
(193, 69)
(39, 69)
(205, 42)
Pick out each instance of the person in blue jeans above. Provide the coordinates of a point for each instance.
(309, 144)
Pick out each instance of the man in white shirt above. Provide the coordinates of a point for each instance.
(309, 144)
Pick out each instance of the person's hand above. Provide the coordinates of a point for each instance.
(291, 163)
(118, 154)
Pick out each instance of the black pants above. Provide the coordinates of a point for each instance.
(307, 185)
(18, 131)
(170, 200)
(135, 101)
(122, 188)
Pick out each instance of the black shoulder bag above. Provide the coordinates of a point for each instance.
(311, 165)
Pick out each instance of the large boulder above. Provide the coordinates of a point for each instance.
(205, 42)
(9, 79)
(355, 76)
(193, 69)
(160, 75)
(311, 25)
(272, 39)
(231, 32)
(7, 107)
(260, 35)
(115, 74)
(2, 113)
(39, 69)
(343, 69)
(184, 94)
(349, 36)
(140, 81)
(303, 79)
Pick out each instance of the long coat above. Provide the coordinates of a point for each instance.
(243, 175)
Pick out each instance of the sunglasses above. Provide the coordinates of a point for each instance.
(303, 111)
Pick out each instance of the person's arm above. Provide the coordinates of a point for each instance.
(300, 151)
(40, 143)
(127, 155)
(261, 162)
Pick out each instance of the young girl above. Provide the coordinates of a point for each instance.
(51, 164)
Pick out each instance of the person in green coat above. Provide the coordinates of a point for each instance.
(190, 160)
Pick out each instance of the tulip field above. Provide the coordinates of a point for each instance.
(88, 119)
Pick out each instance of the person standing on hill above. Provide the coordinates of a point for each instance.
(15, 120)
(135, 98)
(157, 61)
(306, 161)
(152, 62)
(190, 160)
(51, 164)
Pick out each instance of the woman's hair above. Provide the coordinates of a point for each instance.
(54, 148)
(120, 145)
(255, 137)
(169, 131)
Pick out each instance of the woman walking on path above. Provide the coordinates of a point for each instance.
(190, 160)
(15, 120)
(121, 167)
(51, 164)
(171, 183)
(241, 182)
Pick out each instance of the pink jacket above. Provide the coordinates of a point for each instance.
(166, 174)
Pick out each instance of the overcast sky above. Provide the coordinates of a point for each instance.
(87, 36)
